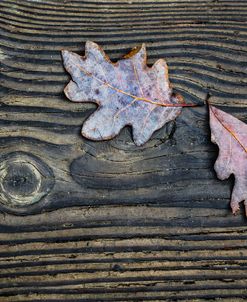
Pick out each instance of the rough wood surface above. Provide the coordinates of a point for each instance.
(109, 221)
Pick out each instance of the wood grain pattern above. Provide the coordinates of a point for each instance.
(109, 221)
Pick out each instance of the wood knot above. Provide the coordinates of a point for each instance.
(24, 179)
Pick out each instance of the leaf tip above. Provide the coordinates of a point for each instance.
(245, 209)
(64, 53)
(143, 47)
(96, 50)
(90, 44)
(139, 143)
(235, 210)
(138, 50)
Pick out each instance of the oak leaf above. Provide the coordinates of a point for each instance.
(230, 134)
(127, 93)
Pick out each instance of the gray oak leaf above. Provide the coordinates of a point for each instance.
(127, 93)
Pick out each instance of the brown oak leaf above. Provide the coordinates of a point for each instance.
(127, 92)
(230, 134)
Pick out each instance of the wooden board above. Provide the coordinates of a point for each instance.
(109, 221)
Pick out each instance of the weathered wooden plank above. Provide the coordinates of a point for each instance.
(109, 221)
